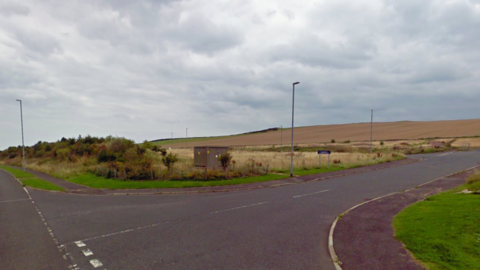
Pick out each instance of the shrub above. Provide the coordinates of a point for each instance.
(169, 160)
(225, 160)
(106, 156)
(347, 141)
(147, 145)
(382, 143)
(157, 148)
(332, 141)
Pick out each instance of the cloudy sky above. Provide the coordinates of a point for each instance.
(143, 69)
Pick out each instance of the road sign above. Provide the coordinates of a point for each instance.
(323, 152)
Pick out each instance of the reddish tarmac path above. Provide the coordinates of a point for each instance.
(364, 237)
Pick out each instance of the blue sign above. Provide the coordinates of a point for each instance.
(324, 152)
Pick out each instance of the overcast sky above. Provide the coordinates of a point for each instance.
(144, 69)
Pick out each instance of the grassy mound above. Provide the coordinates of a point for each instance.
(443, 231)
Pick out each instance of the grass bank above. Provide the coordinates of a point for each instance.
(31, 180)
(443, 232)
(95, 181)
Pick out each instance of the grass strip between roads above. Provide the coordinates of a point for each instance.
(31, 180)
(94, 181)
(443, 232)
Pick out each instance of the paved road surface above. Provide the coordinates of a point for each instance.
(25, 242)
(275, 228)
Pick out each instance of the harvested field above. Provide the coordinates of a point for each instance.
(388, 132)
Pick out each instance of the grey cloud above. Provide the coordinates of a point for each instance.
(313, 50)
(144, 69)
(12, 8)
(38, 42)
(199, 34)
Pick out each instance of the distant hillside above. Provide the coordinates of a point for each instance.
(405, 130)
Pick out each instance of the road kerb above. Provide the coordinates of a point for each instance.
(333, 255)
(331, 250)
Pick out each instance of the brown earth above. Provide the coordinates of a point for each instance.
(403, 130)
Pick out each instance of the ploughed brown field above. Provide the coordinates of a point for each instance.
(403, 130)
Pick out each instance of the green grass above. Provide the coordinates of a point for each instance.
(31, 180)
(94, 181)
(473, 182)
(443, 231)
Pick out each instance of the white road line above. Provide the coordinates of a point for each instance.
(96, 263)
(87, 252)
(298, 196)
(80, 244)
(122, 232)
(19, 200)
(444, 154)
(236, 208)
(61, 248)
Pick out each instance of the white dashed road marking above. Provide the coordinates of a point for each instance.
(444, 154)
(80, 244)
(298, 196)
(236, 208)
(87, 252)
(96, 263)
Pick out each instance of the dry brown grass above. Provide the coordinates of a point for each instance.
(277, 161)
(404, 130)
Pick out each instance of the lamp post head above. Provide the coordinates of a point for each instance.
(296, 83)
(19, 100)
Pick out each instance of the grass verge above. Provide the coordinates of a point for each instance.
(94, 181)
(443, 231)
(473, 183)
(31, 180)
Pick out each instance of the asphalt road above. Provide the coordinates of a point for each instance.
(276, 228)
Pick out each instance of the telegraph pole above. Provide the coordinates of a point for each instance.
(23, 143)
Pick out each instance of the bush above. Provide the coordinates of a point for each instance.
(157, 148)
(225, 160)
(169, 160)
(106, 156)
(332, 141)
(382, 143)
(147, 145)
(347, 141)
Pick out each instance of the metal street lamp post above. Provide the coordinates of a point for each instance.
(23, 143)
(281, 138)
(293, 103)
(371, 130)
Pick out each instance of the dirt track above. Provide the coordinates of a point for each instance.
(404, 130)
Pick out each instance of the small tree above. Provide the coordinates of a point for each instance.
(169, 160)
(147, 145)
(225, 160)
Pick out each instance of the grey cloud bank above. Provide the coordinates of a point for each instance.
(144, 69)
